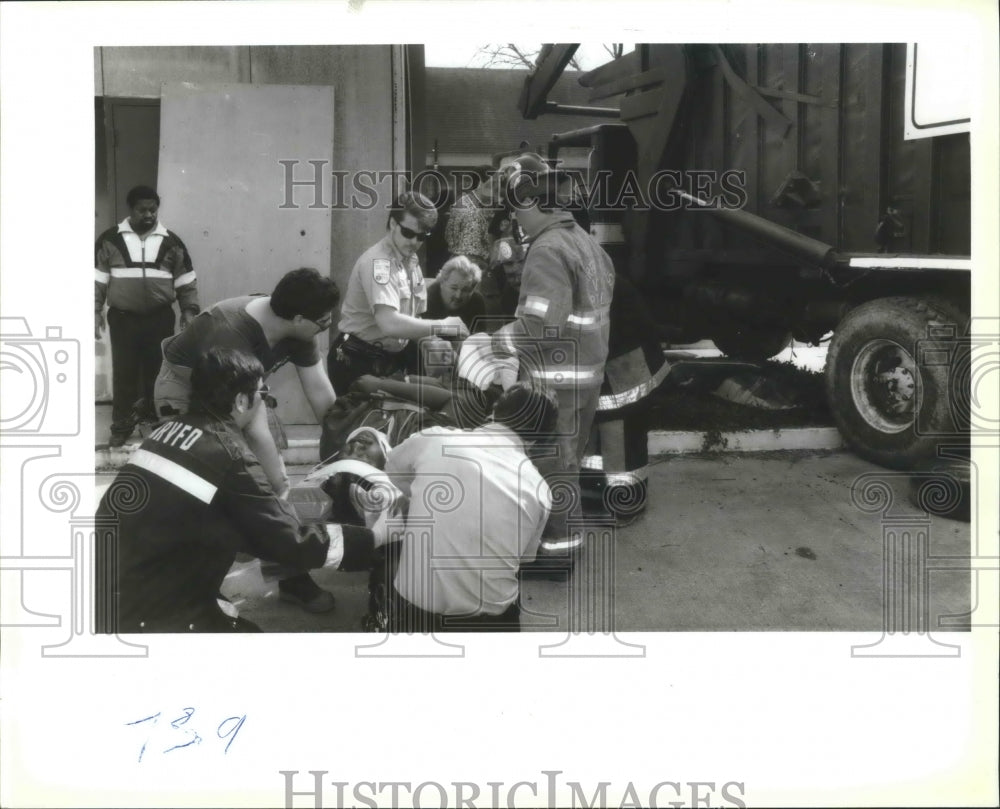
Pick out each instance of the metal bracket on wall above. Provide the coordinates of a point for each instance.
(750, 95)
(798, 190)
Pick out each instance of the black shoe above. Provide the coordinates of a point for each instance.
(548, 568)
(304, 592)
(118, 439)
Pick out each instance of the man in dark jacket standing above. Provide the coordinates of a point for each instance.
(140, 269)
(190, 498)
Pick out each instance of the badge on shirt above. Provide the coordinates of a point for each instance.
(381, 268)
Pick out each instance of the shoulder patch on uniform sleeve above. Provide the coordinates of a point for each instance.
(380, 269)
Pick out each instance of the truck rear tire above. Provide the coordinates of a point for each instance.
(752, 343)
(889, 381)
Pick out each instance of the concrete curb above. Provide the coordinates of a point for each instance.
(663, 442)
(305, 451)
(301, 452)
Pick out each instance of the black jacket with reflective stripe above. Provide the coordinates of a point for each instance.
(190, 498)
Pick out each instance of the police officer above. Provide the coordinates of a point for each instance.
(191, 497)
(560, 330)
(385, 297)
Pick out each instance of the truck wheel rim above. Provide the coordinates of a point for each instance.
(884, 386)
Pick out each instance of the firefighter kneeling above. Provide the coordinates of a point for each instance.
(191, 497)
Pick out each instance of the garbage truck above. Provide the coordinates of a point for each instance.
(760, 193)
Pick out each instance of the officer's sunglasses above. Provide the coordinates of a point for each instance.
(413, 234)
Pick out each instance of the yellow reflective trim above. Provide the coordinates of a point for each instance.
(633, 478)
(536, 305)
(138, 272)
(613, 401)
(550, 545)
(567, 374)
(174, 473)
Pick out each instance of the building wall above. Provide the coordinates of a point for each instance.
(363, 112)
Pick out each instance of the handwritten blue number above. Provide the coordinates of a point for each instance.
(232, 733)
(234, 723)
(155, 717)
(195, 740)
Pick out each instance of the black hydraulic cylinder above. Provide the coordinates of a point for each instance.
(805, 247)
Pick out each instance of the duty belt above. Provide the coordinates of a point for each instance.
(350, 344)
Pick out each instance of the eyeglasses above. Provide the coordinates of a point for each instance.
(324, 322)
(265, 397)
(412, 234)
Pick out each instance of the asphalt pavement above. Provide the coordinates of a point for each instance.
(803, 535)
(773, 541)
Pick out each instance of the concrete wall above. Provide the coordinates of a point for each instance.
(363, 112)
(362, 125)
(138, 72)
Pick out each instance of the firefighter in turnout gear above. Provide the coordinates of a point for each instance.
(559, 334)
(616, 465)
(191, 497)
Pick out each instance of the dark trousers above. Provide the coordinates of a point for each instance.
(407, 617)
(350, 359)
(135, 360)
(620, 438)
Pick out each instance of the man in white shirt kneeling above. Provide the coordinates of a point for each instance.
(477, 507)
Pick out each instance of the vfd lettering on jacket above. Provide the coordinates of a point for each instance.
(174, 434)
(192, 496)
(139, 274)
(202, 486)
(560, 331)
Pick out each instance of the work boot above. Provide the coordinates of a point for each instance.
(555, 558)
(118, 439)
(122, 430)
(593, 488)
(304, 592)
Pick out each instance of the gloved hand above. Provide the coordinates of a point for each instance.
(451, 325)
